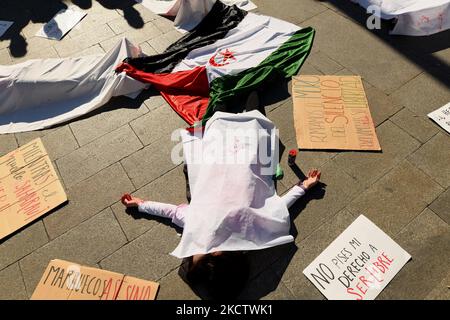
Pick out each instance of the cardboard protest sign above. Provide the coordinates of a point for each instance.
(4, 26)
(64, 280)
(331, 112)
(358, 265)
(442, 117)
(137, 289)
(61, 23)
(29, 187)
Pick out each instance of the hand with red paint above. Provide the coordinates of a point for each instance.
(130, 201)
(312, 179)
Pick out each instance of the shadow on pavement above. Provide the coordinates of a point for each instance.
(418, 50)
(24, 12)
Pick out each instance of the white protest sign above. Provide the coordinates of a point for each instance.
(358, 264)
(442, 117)
(4, 25)
(61, 23)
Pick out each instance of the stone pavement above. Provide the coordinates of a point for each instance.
(126, 146)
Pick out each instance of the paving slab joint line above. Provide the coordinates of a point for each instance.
(23, 280)
(407, 82)
(125, 244)
(74, 136)
(431, 178)
(312, 17)
(420, 213)
(142, 143)
(118, 222)
(167, 274)
(126, 173)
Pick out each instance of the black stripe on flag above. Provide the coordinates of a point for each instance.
(213, 27)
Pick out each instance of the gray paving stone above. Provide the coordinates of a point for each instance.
(92, 50)
(306, 160)
(378, 63)
(58, 142)
(147, 49)
(4, 44)
(22, 243)
(113, 115)
(23, 137)
(93, 157)
(7, 143)
(323, 63)
(397, 198)
(85, 40)
(433, 158)
(382, 106)
(295, 11)
(266, 286)
(87, 244)
(147, 32)
(5, 58)
(168, 189)
(163, 24)
(150, 163)
(31, 29)
(160, 43)
(441, 291)
(291, 271)
(441, 206)
(157, 124)
(12, 287)
(155, 101)
(347, 72)
(96, 16)
(323, 202)
(426, 239)
(146, 257)
(44, 53)
(136, 36)
(145, 14)
(367, 167)
(283, 118)
(88, 198)
(423, 94)
(172, 287)
(420, 127)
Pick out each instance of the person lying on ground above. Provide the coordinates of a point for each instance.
(218, 270)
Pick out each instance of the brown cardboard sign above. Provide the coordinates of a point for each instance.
(137, 289)
(29, 187)
(332, 112)
(64, 280)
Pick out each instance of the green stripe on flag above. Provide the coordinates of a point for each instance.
(284, 62)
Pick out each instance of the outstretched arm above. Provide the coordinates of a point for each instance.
(301, 187)
(165, 210)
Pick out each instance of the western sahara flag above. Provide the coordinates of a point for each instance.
(229, 54)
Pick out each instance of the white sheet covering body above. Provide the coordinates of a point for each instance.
(414, 17)
(37, 94)
(234, 205)
(189, 13)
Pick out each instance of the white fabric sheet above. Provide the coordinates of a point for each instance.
(37, 94)
(189, 13)
(414, 17)
(234, 206)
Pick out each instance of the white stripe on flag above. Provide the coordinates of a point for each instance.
(244, 47)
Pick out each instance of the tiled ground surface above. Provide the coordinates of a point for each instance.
(126, 146)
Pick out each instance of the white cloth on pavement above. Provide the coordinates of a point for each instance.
(414, 17)
(40, 93)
